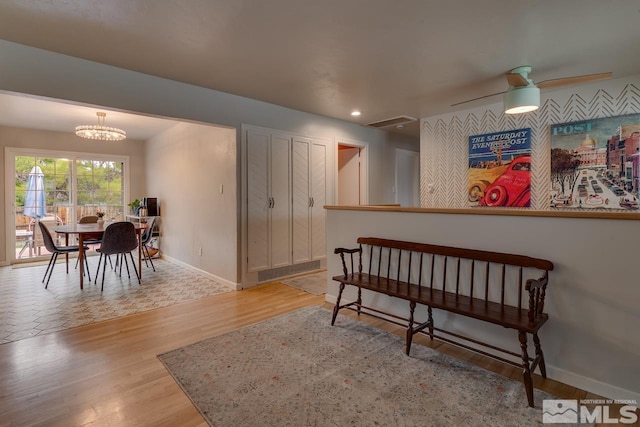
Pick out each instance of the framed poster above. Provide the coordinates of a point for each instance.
(499, 169)
(596, 164)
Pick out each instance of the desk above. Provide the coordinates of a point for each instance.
(94, 231)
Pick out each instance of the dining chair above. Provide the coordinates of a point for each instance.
(56, 250)
(147, 234)
(89, 219)
(118, 238)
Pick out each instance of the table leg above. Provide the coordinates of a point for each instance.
(81, 258)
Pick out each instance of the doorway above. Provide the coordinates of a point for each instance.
(352, 174)
(407, 178)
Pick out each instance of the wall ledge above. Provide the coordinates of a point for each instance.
(496, 211)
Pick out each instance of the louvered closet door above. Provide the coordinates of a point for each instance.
(319, 175)
(280, 185)
(258, 201)
(301, 200)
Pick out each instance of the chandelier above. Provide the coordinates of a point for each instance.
(100, 131)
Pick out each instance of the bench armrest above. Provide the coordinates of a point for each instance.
(537, 289)
(342, 251)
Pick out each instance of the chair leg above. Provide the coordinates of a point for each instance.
(134, 267)
(104, 269)
(124, 257)
(54, 258)
(86, 265)
(47, 270)
(145, 248)
(98, 270)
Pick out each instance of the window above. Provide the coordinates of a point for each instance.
(60, 187)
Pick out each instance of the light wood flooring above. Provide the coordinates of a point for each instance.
(107, 373)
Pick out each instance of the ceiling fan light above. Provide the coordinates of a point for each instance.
(521, 99)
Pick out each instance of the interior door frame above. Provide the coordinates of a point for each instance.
(364, 168)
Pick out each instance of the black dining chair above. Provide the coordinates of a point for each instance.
(55, 251)
(119, 238)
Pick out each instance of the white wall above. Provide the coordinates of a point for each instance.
(45, 140)
(591, 340)
(187, 165)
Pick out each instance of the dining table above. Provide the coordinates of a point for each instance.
(86, 232)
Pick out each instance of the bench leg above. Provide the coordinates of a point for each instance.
(359, 300)
(337, 306)
(412, 307)
(540, 355)
(430, 311)
(526, 371)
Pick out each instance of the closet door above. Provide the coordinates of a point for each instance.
(301, 157)
(319, 175)
(280, 187)
(258, 201)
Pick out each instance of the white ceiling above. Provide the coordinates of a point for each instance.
(385, 57)
(37, 113)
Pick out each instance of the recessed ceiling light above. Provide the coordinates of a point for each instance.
(355, 113)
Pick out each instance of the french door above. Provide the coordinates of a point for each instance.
(58, 188)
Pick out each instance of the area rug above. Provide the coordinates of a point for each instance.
(28, 310)
(315, 284)
(297, 370)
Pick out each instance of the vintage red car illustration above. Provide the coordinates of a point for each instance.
(512, 188)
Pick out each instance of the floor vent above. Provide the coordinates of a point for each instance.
(268, 275)
(395, 121)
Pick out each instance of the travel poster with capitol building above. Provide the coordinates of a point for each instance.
(596, 164)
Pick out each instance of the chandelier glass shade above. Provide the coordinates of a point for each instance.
(100, 131)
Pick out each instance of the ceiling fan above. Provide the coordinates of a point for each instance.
(524, 95)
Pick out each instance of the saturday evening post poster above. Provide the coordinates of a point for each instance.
(499, 168)
(596, 164)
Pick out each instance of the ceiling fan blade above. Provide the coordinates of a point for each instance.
(480, 97)
(566, 81)
(516, 80)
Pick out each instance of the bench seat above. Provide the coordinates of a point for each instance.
(488, 311)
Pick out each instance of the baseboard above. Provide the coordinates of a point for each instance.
(232, 285)
(600, 388)
(4, 264)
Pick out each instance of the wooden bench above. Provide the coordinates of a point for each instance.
(503, 289)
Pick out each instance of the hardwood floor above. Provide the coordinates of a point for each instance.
(108, 374)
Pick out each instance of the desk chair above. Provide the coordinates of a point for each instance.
(118, 238)
(147, 234)
(55, 251)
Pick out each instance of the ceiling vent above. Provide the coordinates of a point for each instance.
(395, 121)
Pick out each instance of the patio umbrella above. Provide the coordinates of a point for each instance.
(34, 202)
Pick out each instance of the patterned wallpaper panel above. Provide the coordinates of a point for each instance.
(444, 139)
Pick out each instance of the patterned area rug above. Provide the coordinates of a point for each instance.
(315, 284)
(297, 370)
(27, 309)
